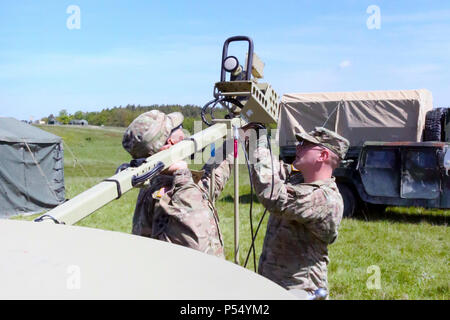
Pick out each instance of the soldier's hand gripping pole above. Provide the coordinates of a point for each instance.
(112, 188)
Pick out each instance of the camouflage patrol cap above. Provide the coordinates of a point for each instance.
(326, 138)
(149, 132)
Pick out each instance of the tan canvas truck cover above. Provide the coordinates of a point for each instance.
(359, 116)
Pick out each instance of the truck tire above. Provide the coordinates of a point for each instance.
(434, 125)
(350, 199)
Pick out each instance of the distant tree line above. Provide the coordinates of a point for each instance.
(123, 116)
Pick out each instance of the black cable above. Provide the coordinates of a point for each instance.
(251, 202)
(148, 175)
(270, 198)
(202, 114)
(265, 211)
(215, 102)
(211, 110)
(46, 217)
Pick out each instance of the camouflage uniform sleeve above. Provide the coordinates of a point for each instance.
(183, 179)
(221, 163)
(142, 218)
(264, 170)
(186, 193)
(184, 183)
(307, 205)
(193, 219)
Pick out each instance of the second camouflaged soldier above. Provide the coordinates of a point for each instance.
(175, 207)
(305, 214)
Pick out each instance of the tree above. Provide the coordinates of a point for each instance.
(63, 117)
(78, 115)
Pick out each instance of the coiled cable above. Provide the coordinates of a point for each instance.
(214, 102)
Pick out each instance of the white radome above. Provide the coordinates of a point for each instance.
(49, 261)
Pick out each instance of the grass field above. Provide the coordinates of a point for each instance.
(402, 253)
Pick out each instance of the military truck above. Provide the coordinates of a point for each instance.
(399, 145)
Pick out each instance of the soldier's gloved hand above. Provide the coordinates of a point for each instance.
(253, 132)
(176, 166)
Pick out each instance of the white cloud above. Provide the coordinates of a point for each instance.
(345, 64)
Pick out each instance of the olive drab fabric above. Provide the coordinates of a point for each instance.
(178, 209)
(31, 169)
(304, 220)
(149, 132)
(326, 138)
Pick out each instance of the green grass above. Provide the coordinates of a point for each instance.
(410, 246)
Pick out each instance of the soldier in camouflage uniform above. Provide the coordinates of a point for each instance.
(306, 209)
(176, 207)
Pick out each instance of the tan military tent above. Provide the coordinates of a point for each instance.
(358, 116)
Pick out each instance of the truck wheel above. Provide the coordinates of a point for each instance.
(434, 125)
(350, 200)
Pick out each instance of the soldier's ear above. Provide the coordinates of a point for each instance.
(324, 155)
(176, 136)
(170, 141)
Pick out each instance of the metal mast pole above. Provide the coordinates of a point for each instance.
(236, 195)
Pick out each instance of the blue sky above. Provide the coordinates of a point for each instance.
(164, 52)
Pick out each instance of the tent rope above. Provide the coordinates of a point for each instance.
(334, 110)
(77, 162)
